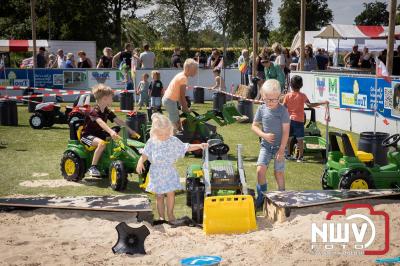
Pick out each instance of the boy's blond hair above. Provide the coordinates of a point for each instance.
(156, 74)
(190, 63)
(271, 86)
(160, 126)
(100, 90)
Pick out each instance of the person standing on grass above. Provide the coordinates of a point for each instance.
(106, 59)
(271, 124)
(163, 150)
(143, 91)
(148, 58)
(84, 61)
(156, 90)
(294, 102)
(176, 91)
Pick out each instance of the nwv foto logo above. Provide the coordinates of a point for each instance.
(356, 233)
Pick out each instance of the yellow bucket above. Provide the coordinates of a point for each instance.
(233, 214)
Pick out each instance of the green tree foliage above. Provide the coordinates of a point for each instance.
(374, 14)
(318, 14)
(73, 20)
(175, 19)
(242, 20)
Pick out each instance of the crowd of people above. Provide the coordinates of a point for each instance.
(276, 62)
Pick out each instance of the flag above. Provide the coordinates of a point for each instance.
(386, 122)
(243, 68)
(381, 71)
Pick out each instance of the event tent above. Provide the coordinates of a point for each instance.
(21, 45)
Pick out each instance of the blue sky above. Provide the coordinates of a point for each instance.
(344, 11)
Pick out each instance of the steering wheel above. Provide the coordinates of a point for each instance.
(218, 149)
(117, 129)
(391, 141)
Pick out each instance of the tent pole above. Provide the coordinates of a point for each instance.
(302, 33)
(392, 23)
(255, 49)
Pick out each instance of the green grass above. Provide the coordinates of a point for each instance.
(24, 151)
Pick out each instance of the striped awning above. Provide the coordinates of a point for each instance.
(21, 45)
(340, 31)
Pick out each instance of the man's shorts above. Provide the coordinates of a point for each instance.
(155, 101)
(296, 129)
(172, 109)
(267, 153)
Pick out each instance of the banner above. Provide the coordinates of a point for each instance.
(327, 89)
(112, 78)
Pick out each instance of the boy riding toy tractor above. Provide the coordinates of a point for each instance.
(119, 158)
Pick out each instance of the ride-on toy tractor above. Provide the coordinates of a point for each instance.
(49, 113)
(349, 168)
(195, 126)
(118, 159)
(220, 188)
(313, 142)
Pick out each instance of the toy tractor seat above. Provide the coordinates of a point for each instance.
(363, 156)
(348, 147)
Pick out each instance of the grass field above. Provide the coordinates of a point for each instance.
(24, 151)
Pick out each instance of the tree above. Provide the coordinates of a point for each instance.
(242, 20)
(374, 14)
(137, 31)
(318, 15)
(176, 16)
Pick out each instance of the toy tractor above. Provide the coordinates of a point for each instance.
(49, 113)
(195, 126)
(220, 189)
(313, 142)
(349, 168)
(118, 159)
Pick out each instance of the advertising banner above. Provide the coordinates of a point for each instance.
(327, 89)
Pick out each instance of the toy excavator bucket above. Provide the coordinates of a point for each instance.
(230, 113)
(233, 214)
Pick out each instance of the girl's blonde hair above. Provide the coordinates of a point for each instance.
(155, 74)
(160, 126)
(271, 86)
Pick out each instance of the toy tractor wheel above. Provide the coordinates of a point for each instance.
(72, 167)
(324, 180)
(356, 180)
(118, 176)
(75, 117)
(37, 121)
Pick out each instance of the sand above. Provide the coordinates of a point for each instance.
(60, 237)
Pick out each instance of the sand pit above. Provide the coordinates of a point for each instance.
(52, 237)
(49, 183)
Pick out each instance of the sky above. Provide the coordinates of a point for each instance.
(344, 11)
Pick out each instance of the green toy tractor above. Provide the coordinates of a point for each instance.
(195, 127)
(118, 159)
(348, 168)
(313, 142)
(216, 176)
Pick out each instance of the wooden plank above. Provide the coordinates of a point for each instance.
(124, 203)
(308, 198)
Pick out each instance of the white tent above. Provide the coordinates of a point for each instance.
(339, 44)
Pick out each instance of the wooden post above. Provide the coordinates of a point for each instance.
(255, 41)
(302, 33)
(33, 20)
(392, 24)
